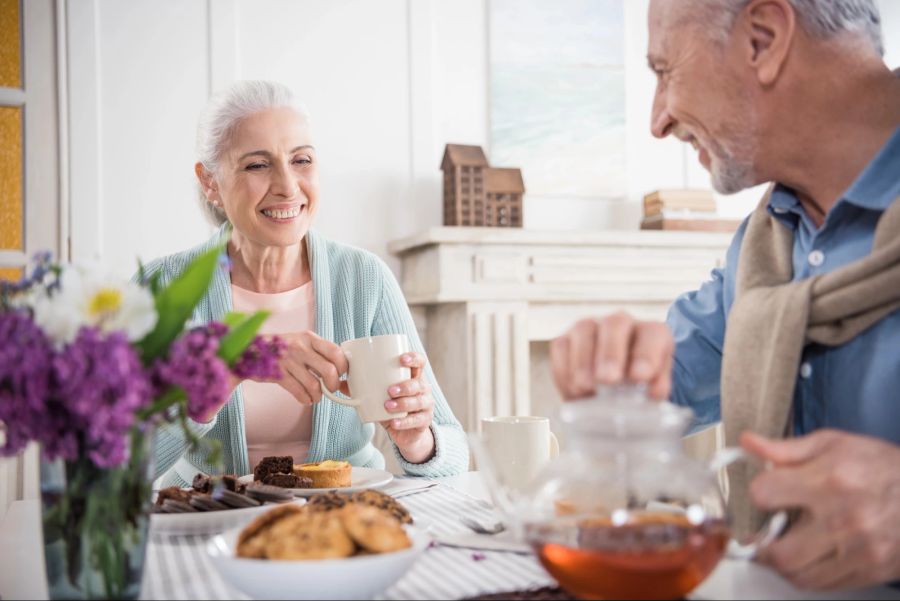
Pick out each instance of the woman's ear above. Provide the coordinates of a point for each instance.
(208, 184)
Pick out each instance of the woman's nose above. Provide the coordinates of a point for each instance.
(284, 183)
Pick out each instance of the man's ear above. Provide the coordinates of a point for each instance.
(768, 27)
(207, 183)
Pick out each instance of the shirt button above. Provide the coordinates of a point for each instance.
(805, 370)
(816, 258)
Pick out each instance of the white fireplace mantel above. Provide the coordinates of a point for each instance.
(483, 295)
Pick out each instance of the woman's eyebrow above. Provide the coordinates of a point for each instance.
(268, 154)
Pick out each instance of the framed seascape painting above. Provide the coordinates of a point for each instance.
(557, 93)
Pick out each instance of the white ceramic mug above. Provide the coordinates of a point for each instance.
(519, 447)
(374, 367)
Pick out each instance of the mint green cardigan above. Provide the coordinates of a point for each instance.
(356, 296)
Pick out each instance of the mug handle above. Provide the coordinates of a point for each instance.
(348, 401)
(773, 527)
(554, 446)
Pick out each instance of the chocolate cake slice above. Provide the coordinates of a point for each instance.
(287, 481)
(283, 464)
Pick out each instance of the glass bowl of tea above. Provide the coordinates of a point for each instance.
(623, 512)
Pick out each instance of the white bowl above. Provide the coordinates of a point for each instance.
(360, 577)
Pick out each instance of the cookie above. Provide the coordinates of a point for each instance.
(232, 483)
(202, 483)
(173, 506)
(374, 529)
(207, 503)
(252, 540)
(309, 535)
(265, 493)
(174, 493)
(328, 501)
(233, 499)
(382, 501)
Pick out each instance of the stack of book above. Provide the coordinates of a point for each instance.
(684, 209)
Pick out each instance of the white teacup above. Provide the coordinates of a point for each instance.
(374, 367)
(519, 447)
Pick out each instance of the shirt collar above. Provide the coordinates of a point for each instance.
(875, 188)
(785, 206)
(879, 184)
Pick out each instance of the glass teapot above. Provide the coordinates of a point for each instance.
(622, 512)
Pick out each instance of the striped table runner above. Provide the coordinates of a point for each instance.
(178, 568)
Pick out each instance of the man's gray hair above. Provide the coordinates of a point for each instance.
(819, 18)
(223, 114)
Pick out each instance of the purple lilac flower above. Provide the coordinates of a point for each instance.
(194, 366)
(99, 383)
(25, 358)
(260, 359)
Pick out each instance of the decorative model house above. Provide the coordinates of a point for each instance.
(476, 194)
(504, 187)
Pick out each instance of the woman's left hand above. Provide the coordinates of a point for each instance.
(412, 434)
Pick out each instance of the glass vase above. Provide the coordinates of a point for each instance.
(95, 524)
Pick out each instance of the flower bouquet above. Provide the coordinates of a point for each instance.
(89, 367)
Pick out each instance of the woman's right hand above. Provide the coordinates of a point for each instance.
(307, 355)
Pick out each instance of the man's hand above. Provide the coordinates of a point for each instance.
(848, 490)
(613, 350)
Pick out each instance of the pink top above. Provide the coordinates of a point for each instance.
(276, 423)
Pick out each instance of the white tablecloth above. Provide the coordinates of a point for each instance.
(177, 567)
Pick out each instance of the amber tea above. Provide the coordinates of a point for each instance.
(650, 556)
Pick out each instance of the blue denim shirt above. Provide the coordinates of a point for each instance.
(853, 387)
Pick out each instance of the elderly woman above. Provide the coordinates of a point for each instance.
(258, 171)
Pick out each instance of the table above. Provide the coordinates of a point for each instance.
(22, 568)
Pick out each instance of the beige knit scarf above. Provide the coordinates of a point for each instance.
(773, 318)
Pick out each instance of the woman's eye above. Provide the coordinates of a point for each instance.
(255, 166)
(302, 161)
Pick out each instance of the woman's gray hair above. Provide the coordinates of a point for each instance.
(223, 114)
(819, 18)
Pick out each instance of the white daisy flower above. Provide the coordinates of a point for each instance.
(86, 297)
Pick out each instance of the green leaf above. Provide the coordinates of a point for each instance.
(176, 302)
(240, 336)
(232, 318)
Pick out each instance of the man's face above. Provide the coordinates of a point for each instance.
(700, 98)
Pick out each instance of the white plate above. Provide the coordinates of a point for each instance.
(360, 577)
(360, 479)
(207, 522)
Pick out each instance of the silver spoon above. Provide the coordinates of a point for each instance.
(480, 528)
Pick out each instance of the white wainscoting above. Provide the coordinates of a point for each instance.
(489, 299)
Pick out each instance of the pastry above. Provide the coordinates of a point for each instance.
(282, 464)
(326, 501)
(382, 501)
(265, 493)
(326, 474)
(233, 499)
(373, 529)
(287, 481)
(253, 539)
(309, 535)
(207, 503)
(174, 493)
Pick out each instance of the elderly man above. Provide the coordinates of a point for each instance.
(799, 335)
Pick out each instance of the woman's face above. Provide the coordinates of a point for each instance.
(268, 181)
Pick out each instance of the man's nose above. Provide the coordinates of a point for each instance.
(661, 122)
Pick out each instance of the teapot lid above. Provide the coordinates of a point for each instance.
(624, 412)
